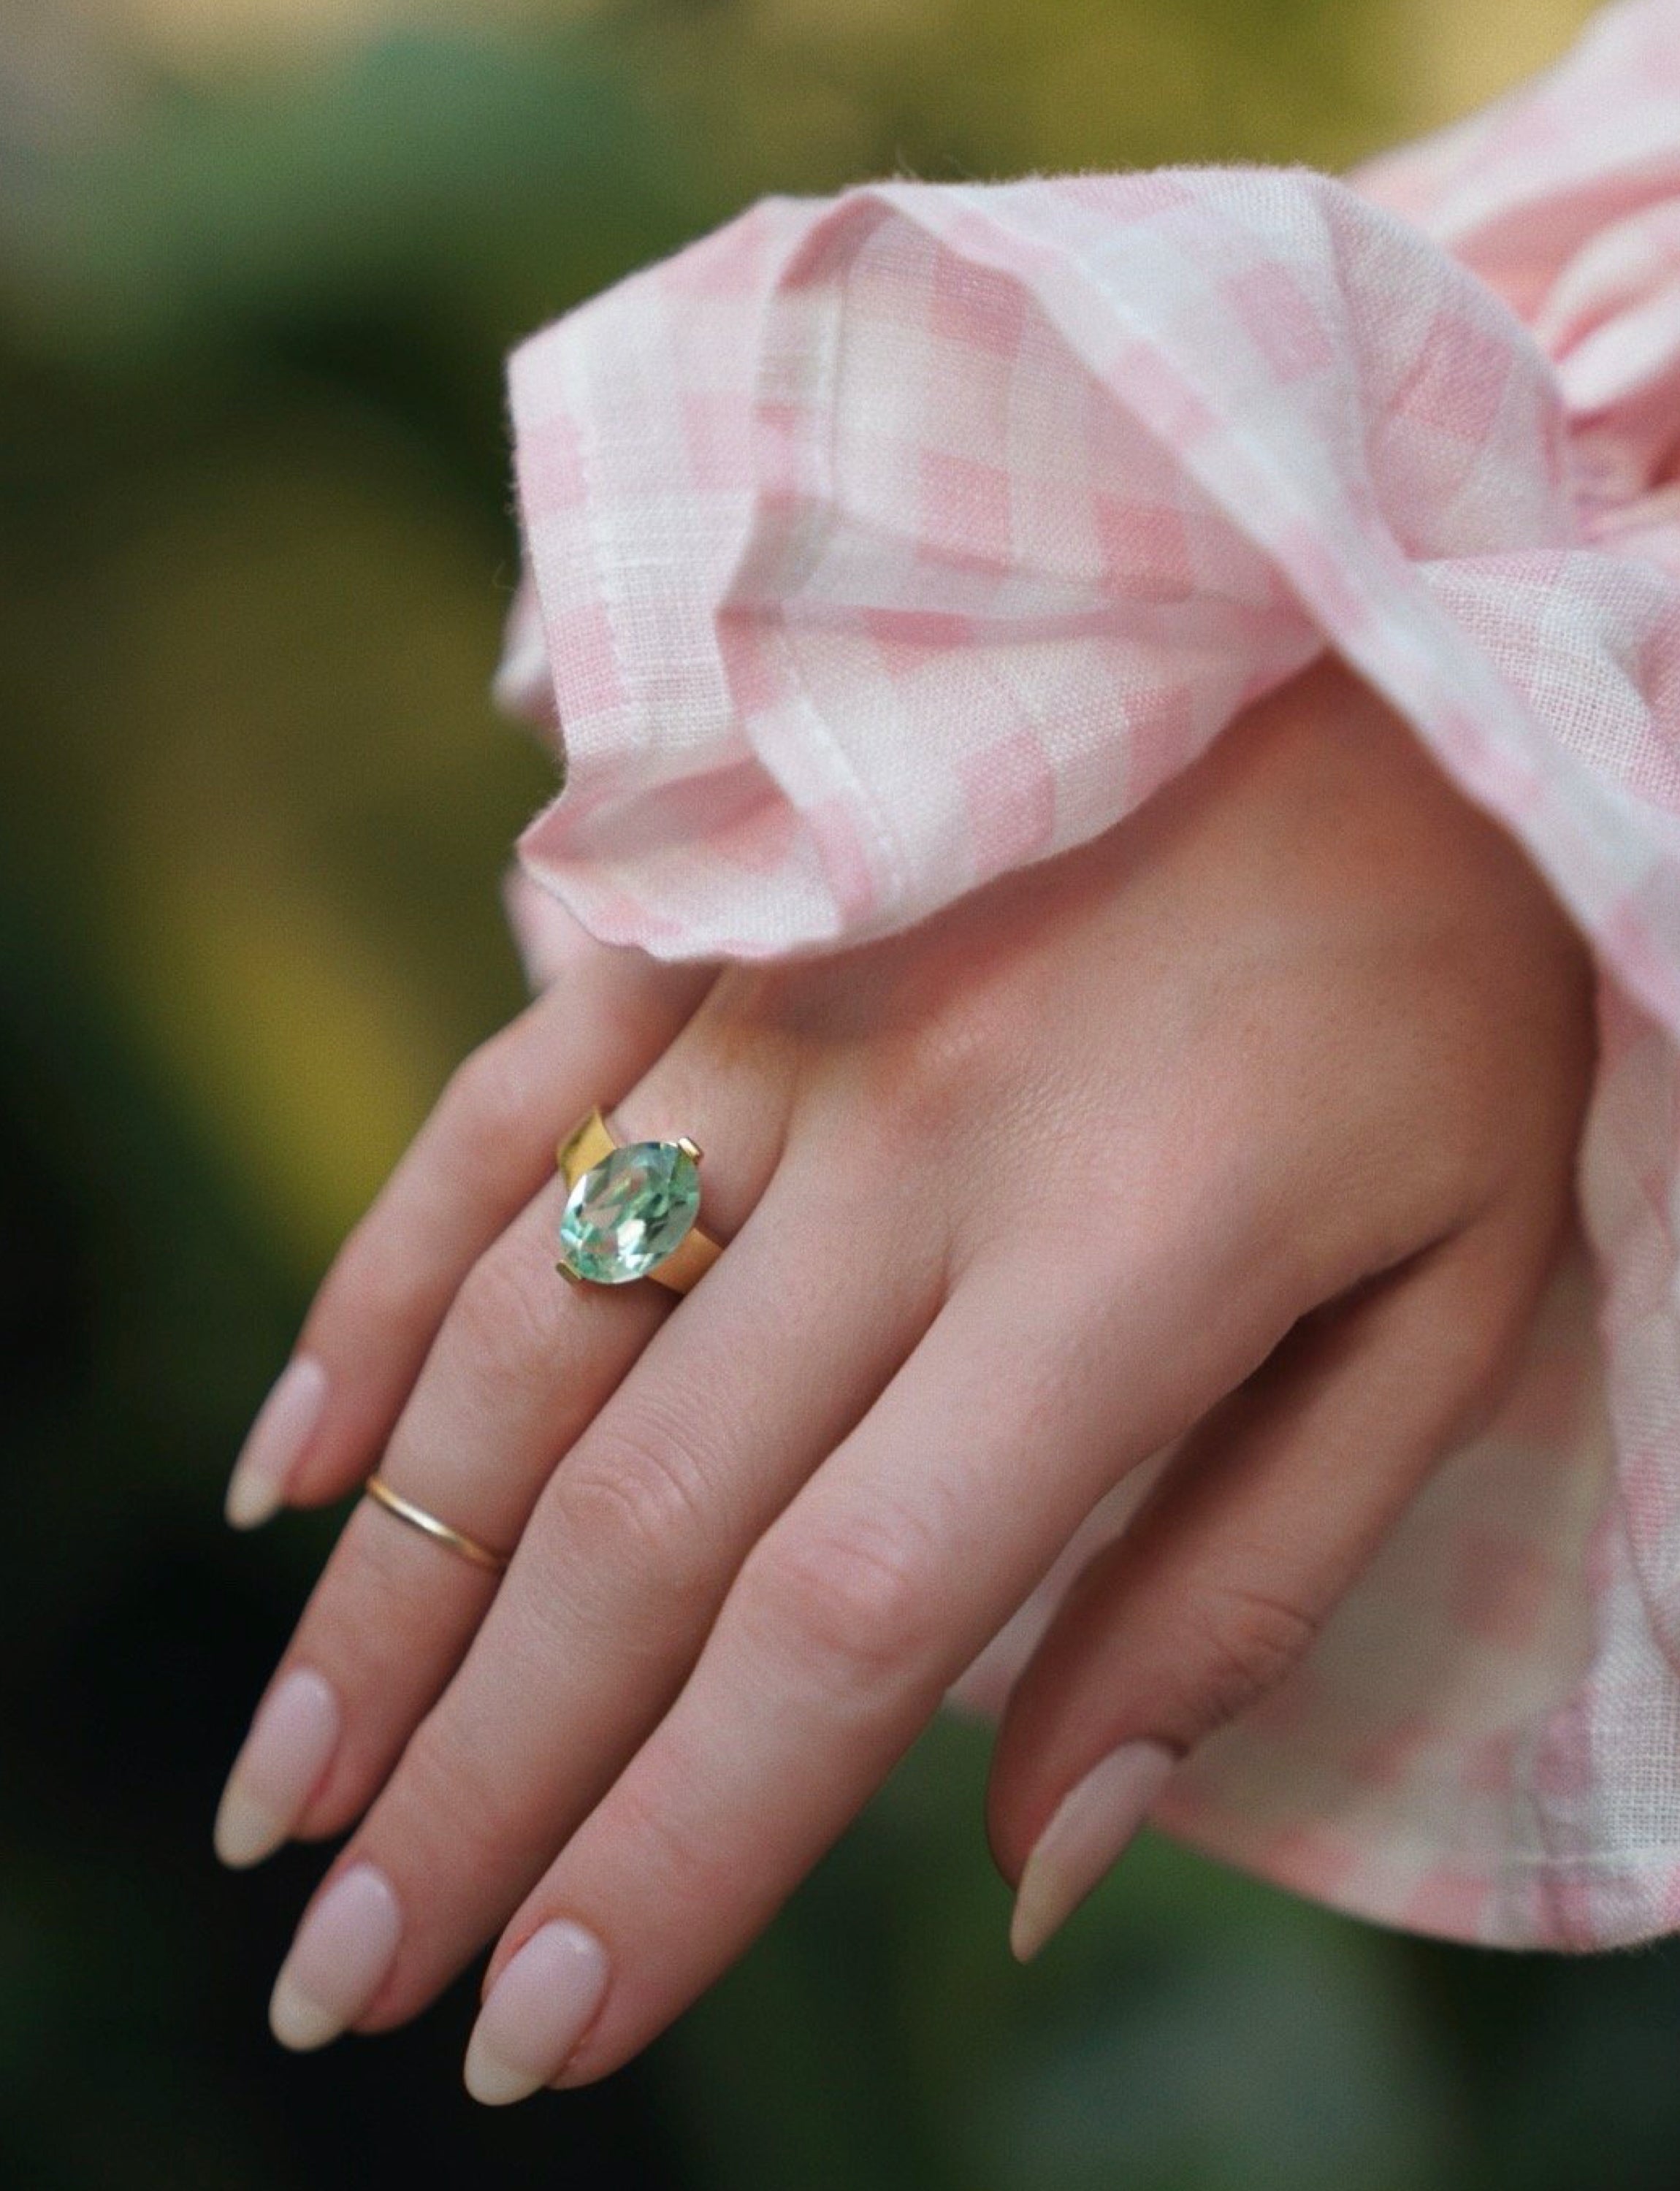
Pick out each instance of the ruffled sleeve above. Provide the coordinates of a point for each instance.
(878, 544)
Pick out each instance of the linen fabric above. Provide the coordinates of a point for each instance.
(879, 543)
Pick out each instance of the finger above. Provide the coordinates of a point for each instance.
(615, 1582)
(484, 1150)
(522, 1362)
(1223, 1580)
(850, 1619)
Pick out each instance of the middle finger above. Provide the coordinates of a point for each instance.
(522, 1362)
(631, 1548)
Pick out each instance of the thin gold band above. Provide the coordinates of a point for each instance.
(417, 1517)
(586, 1145)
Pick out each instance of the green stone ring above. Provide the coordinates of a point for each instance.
(629, 1210)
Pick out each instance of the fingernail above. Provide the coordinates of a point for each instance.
(536, 2012)
(284, 1425)
(339, 1961)
(1084, 1839)
(289, 1746)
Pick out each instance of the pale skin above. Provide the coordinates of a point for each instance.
(1251, 1123)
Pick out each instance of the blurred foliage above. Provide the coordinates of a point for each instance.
(259, 262)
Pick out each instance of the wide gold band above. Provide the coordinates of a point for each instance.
(469, 1548)
(583, 1148)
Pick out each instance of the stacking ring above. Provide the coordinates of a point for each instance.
(631, 1210)
(454, 1541)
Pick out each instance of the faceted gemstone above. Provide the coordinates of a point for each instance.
(629, 1211)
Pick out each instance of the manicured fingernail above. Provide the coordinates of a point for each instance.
(339, 1961)
(289, 1746)
(1084, 1839)
(537, 2011)
(284, 1425)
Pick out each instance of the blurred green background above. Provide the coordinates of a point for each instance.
(260, 262)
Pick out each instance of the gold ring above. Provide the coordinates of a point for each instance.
(630, 1209)
(417, 1517)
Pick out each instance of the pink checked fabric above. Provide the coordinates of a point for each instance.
(879, 543)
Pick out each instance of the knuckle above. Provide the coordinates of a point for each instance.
(360, 1626)
(366, 1283)
(454, 1801)
(1242, 1641)
(488, 1098)
(940, 1078)
(948, 1036)
(846, 1606)
(637, 1497)
(506, 1321)
(681, 1865)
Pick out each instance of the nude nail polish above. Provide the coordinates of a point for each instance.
(1084, 1839)
(289, 1747)
(536, 2012)
(339, 1961)
(285, 1424)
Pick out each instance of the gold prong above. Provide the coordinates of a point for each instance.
(585, 1147)
(691, 1148)
(568, 1274)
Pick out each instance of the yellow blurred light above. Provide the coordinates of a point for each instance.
(303, 1054)
(1448, 59)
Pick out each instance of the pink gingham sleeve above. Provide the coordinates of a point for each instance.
(877, 544)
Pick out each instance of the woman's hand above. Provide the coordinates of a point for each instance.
(1250, 1123)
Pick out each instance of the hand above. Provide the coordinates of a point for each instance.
(1250, 1125)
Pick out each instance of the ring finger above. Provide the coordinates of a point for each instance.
(521, 1364)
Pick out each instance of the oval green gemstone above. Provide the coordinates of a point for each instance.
(628, 1212)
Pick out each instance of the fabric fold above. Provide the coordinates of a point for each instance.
(878, 544)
